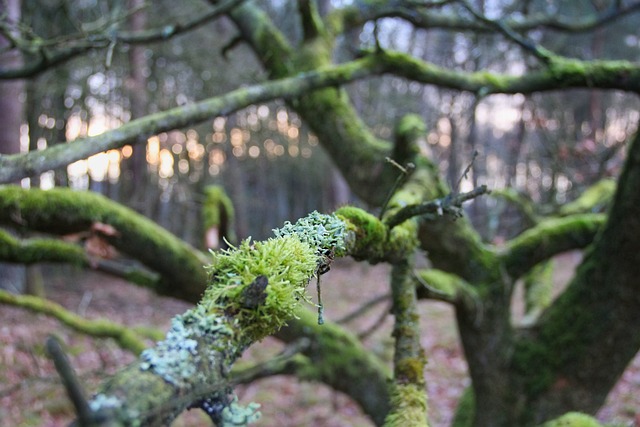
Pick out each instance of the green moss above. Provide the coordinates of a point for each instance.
(409, 407)
(62, 211)
(370, 233)
(32, 251)
(593, 199)
(217, 207)
(286, 262)
(441, 282)
(538, 286)
(411, 370)
(337, 355)
(402, 240)
(466, 409)
(573, 419)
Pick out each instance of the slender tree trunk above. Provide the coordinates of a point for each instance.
(135, 168)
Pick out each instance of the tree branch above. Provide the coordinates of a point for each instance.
(17, 166)
(408, 394)
(51, 53)
(189, 368)
(425, 17)
(450, 204)
(332, 355)
(550, 237)
(37, 250)
(62, 211)
(130, 339)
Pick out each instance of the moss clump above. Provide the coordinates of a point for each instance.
(402, 240)
(370, 233)
(573, 419)
(217, 208)
(286, 262)
(409, 403)
(411, 370)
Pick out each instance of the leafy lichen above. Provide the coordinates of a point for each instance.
(321, 231)
(177, 357)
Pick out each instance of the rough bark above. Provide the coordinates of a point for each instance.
(584, 341)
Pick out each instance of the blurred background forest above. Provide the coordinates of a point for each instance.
(548, 148)
(535, 152)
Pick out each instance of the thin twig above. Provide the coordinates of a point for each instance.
(405, 171)
(527, 44)
(450, 204)
(69, 380)
(363, 308)
(376, 325)
(464, 175)
(320, 306)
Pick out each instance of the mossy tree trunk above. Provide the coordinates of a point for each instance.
(508, 390)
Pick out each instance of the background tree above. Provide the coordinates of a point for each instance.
(345, 79)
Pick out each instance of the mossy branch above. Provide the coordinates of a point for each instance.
(549, 238)
(38, 250)
(253, 291)
(408, 394)
(450, 204)
(130, 339)
(61, 211)
(442, 286)
(596, 198)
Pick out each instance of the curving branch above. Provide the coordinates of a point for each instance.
(51, 53)
(421, 15)
(61, 211)
(16, 166)
(38, 250)
(550, 237)
(131, 339)
(561, 73)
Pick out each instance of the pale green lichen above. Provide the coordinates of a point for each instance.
(236, 415)
(102, 401)
(321, 231)
(177, 358)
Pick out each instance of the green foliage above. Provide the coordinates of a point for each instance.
(573, 419)
(288, 264)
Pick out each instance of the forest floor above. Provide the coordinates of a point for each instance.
(31, 394)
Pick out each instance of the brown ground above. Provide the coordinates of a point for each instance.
(30, 394)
